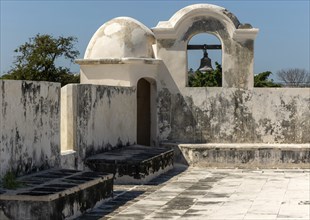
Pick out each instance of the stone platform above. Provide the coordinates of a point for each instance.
(55, 194)
(200, 193)
(134, 164)
(242, 155)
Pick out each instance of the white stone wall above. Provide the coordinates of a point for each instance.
(100, 118)
(29, 126)
(234, 113)
(237, 42)
(227, 115)
(117, 72)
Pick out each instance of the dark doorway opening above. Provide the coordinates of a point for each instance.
(144, 112)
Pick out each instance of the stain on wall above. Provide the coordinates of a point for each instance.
(105, 119)
(227, 115)
(243, 155)
(29, 126)
(203, 24)
(121, 37)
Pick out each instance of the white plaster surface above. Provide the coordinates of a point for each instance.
(234, 113)
(104, 117)
(169, 29)
(67, 122)
(117, 72)
(172, 37)
(228, 115)
(125, 37)
(121, 37)
(29, 126)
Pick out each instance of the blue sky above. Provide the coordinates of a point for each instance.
(283, 40)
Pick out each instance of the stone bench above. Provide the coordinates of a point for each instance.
(55, 194)
(242, 155)
(134, 164)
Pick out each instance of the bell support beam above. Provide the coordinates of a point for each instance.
(204, 46)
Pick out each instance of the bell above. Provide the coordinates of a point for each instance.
(205, 63)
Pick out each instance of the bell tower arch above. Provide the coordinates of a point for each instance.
(237, 41)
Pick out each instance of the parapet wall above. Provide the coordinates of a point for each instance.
(228, 115)
(96, 118)
(29, 126)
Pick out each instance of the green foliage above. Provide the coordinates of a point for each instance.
(214, 78)
(208, 79)
(261, 80)
(10, 182)
(36, 60)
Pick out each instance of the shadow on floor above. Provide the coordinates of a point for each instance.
(111, 206)
(125, 195)
(168, 175)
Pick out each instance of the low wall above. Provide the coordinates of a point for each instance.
(97, 118)
(29, 126)
(238, 155)
(228, 115)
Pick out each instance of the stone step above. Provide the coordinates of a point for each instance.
(134, 164)
(242, 155)
(55, 194)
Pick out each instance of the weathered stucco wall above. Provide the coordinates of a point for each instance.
(100, 118)
(235, 113)
(237, 42)
(223, 115)
(117, 72)
(29, 126)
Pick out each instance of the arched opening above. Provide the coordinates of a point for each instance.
(146, 112)
(201, 46)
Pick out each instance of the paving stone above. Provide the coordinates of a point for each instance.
(219, 194)
(259, 217)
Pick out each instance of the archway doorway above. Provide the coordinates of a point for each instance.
(144, 112)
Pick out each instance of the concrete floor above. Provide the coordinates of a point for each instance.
(204, 193)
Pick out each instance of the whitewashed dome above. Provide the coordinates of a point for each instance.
(121, 37)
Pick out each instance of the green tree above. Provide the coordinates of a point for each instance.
(214, 78)
(208, 79)
(36, 60)
(261, 80)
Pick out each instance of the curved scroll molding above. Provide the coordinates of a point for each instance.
(170, 28)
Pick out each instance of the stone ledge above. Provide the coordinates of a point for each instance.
(134, 164)
(244, 155)
(240, 145)
(127, 60)
(56, 194)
